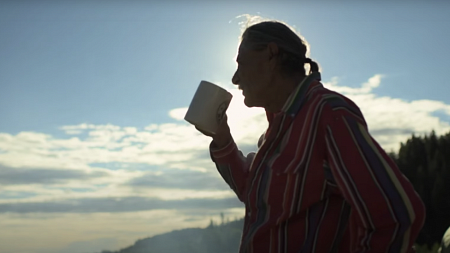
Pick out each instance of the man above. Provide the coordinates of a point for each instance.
(319, 182)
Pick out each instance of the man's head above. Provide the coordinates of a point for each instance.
(268, 51)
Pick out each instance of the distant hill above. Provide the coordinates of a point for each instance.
(223, 238)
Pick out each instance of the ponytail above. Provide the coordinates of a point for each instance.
(314, 67)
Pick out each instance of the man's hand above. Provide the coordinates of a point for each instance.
(223, 135)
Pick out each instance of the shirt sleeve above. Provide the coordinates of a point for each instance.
(233, 166)
(387, 212)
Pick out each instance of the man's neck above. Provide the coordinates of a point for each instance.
(283, 89)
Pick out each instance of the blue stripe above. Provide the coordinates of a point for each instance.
(338, 102)
(342, 225)
(382, 177)
(314, 217)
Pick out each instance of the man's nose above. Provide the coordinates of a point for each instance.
(235, 79)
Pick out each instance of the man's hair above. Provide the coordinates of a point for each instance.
(293, 48)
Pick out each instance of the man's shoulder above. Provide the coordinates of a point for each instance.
(335, 102)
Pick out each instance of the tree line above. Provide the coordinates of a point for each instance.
(425, 161)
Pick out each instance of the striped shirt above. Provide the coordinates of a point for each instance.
(319, 182)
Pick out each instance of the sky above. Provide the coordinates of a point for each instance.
(94, 151)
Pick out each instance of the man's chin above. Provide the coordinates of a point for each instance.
(249, 103)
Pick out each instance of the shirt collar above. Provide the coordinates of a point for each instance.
(297, 97)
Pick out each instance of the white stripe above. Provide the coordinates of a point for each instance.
(300, 142)
(223, 155)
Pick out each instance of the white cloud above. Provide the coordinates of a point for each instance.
(366, 87)
(178, 113)
(392, 120)
(178, 145)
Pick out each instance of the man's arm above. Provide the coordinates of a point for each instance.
(389, 213)
(233, 166)
(230, 162)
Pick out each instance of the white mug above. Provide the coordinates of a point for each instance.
(208, 106)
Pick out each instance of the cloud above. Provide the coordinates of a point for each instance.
(112, 205)
(170, 161)
(365, 88)
(14, 176)
(391, 131)
(156, 145)
(180, 179)
(178, 113)
(392, 120)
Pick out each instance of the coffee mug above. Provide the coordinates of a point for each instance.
(208, 107)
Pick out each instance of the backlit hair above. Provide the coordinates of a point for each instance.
(293, 48)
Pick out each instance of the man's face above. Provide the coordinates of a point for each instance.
(252, 75)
